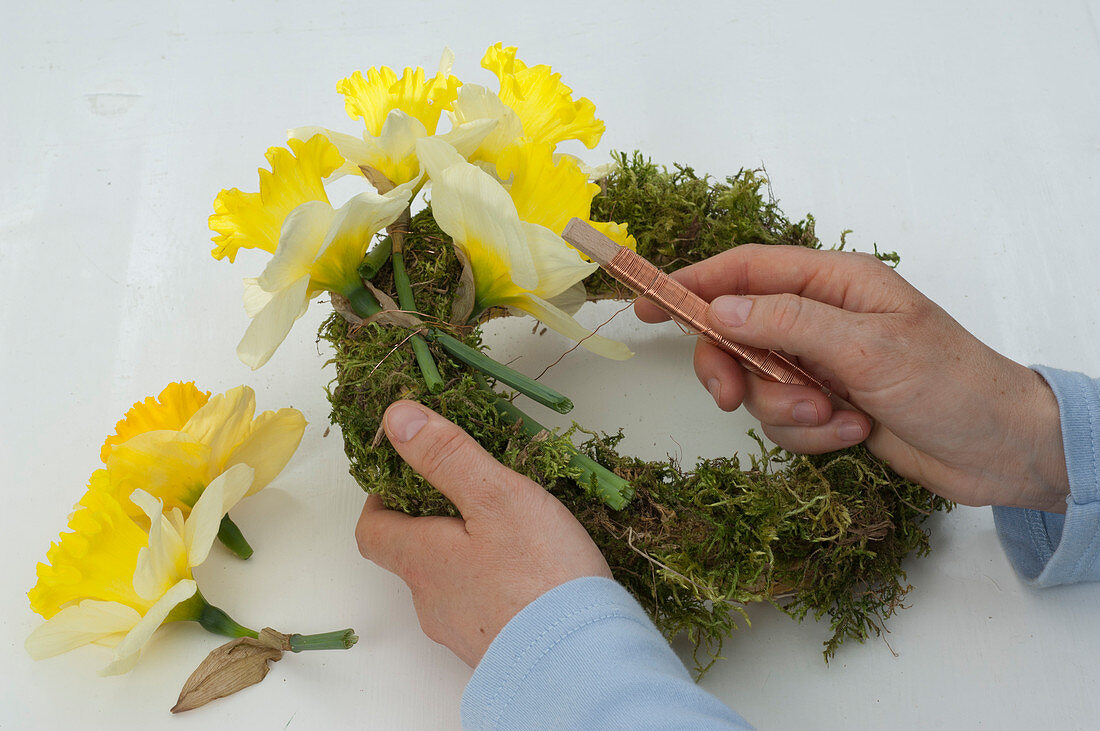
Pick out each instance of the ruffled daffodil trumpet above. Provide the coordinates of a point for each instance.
(398, 111)
(532, 105)
(317, 247)
(515, 264)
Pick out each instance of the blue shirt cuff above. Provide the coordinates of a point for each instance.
(1047, 549)
(586, 655)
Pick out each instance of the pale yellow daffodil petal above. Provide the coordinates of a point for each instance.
(336, 267)
(477, 103)
(223, 423)
(274, 438)
(303, 235)
(466, 138)
(436, 156)
(477, 213)
(254, 220)
(256, 298)
(163, 560)
(128, 651)
(557, 320)
(559, 265)
(169, 410)
(78, 625)
(571, 300)
(270, 327)
(544, 105)
(201, 527)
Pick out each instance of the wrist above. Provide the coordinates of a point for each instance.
(1046, 478)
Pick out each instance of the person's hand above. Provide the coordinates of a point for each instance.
(949, 412)
(470, 575)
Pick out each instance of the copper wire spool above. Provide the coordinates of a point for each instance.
(690, 310)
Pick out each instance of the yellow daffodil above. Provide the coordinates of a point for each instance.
(542, 104)
(397, 112)
(550, 190)
(316, 246)
(110, 582)
(515, 264)
(177, 464)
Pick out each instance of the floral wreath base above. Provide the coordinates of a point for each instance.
(820, 535)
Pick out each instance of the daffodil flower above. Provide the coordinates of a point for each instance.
(523, 266)
(396, 113)
(317, 247)
(543, 106)
(176, 462)
(110, 582)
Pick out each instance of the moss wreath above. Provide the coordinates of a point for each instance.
(821, 535)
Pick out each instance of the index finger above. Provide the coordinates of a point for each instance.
(396, 541)
(825, 276)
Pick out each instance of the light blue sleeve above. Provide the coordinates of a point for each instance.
(1047, 549)
(586, 656)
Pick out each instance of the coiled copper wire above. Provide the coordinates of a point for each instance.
(690, 310)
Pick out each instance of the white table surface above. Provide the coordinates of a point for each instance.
(966, 136)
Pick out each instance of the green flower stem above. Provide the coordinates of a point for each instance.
(363, 302)
(217, 621)
(527, 386)
(232, 538)
(338, 640)
(375, 258)
(365, 305)
(615, 491)
(405, 299)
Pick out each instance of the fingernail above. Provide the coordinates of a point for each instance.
(404, 421)
(731, 310)
(805, 412)
(850, 431)
(715, 388)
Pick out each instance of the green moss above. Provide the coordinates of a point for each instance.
(819, 535)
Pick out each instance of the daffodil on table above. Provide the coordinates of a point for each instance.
(173, 447)
(174, 467)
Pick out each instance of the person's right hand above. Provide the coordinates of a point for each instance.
(949, 412)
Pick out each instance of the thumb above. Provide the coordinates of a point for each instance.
(796, 325)
(449, 458)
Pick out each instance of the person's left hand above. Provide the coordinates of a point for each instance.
(470, 575)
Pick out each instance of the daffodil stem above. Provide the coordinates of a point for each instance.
(232, 538)
(365, 305)
(363, 302)
(217, 621)
(527, 386)
(613, 490)
(375, 258)
(405, 298)
(338, 640)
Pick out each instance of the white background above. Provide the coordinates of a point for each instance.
(965, 136)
